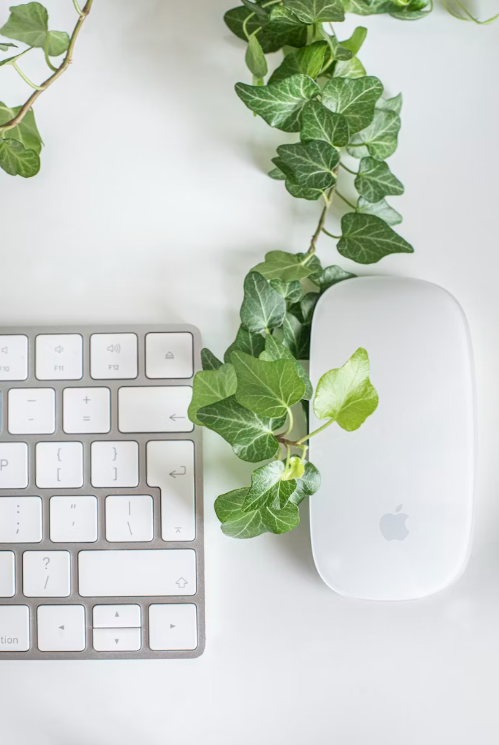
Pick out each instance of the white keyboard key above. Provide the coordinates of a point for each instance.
(46, 574)
(59, 465)
(137, 572)
(113, 356)
(13, 357)
(13, 465)
(117, 616)
(170, 466)
(115, 463)
(173, 626)
(14, 628)
(61, 628)
(117, 640)
(31, 411)
(169, 355)
(73, 519)
(86, 410)
(20, 519)
(154, 409)
(59, 356)
(7, 574)
(129, 518)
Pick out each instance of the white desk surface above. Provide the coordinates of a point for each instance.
(150, 207)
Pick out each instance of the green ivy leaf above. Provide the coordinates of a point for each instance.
(296, 337)
(352, 68)
(381, 209)
(375, 180)
(29, 23)
(390, 104)
(302, 192)
(318, 123)
(306, 61)
(346, 394)
(209, 361)
(250, 435)
(307, 307)
(235, 19)
(284, 266)
(260, 12)
(310, 164)
(210, 386)
(281, 520)
(331, 275)
(294, 471)
(267, 388)
(264, 487)
(307, 485)
(291, 291)
(368, 7)
(274, 350)
(286, 28)
(356, 40)
(366, 239)
(314, 263)
(277, 174)
(235, 522)
(413, 12)
(58, 43)
(337, 51)
(247, 342)
(263, 308)
(4, 47)
(379, 138)
(255, 58)
(354, 98)
(280, 104)
(26, 131)
(16, 160)
(316, 11)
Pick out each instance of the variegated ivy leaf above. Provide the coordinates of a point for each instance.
(311, 164)
(346, 394)
(368, 7)
(263, 308)
(247, 342)
(282, 27)
(291, 291)
(366, 239)
(274, 350)
(16, 160)
(264, 487)
(287, 27)
(210, 386)
(307, 485)
(259, 10)
(316, 11)
(337, 51)
(379, 138)
(250, 435)
(381, 209)
(375, 180)
(354, 98)
(277, 174)
(352, 68)
(235, 522)
(307, 307)
(296, 337)
(307, 61)
(356, 40)
(284, 266)
(25, 132)
(302, 192)
(267, 388)
(29, 23)
(413, 11)
(280, 104)
(318, 123)
(390, 104)
(281, 520)
(209, 361)
(330, 276)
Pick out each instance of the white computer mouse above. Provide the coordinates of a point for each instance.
(394, 514)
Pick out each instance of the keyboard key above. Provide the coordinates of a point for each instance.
(170, 466)
(20, 519)
(14, 628)
(173, 626)
(154, 409)
(117, 640)
(169, 355)
(86, 410)
(61, 628)
(13, 465)
(46, 574)
(122, 573)
(31, 411)
(13, 357)
(116, 616)
(113, 356)
(59, 465)
(59, 356)
(115, 463)
(73, 519)
(129, 518)
(7, 574)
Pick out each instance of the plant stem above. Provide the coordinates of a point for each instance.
(336, 237)
(245, 25)
(354, 173)
(298, 443)
(46, 53)
(60, 70)
(346, 200)
(290, 422)
(320, 224)
(25, 77)
(77, 8)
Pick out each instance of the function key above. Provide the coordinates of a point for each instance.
(13, 357)
(59, 356)
(113, 356)
(169, 355)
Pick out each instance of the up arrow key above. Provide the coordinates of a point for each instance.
(181, 583)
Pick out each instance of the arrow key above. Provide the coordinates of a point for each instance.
(173, 626)
(117, 640)
(61, 628)
(116, 616)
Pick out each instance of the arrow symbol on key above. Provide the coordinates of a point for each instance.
(181, 583)
(61, 628)
(178, 473)
(174, 417)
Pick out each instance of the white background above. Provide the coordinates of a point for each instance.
(150, 207)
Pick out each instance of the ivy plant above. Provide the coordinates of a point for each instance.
(20, 140)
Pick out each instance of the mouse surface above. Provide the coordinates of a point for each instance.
(393, 517)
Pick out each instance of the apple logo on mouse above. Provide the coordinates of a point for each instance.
(392, 525)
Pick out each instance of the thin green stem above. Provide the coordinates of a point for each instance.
(288, 458)
(245, 25)
(290, 422)
(470, 16)
(298, 443)
(337, 237)
(345, 200)
(25, 77)
(46, 53)
(77, 8)
(320, 224)
(354, 173)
